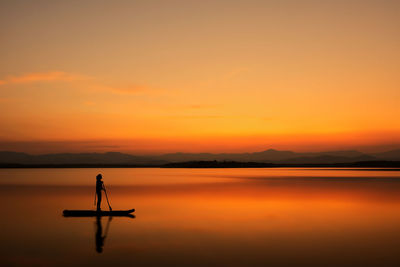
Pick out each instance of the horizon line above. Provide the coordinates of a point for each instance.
(212, 153)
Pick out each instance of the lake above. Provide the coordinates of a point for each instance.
(202, 217)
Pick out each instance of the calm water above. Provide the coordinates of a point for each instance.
(203, 217)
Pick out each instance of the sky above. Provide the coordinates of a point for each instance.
(151, 77)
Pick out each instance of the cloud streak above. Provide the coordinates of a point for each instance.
(125, 90)
(87, 82)
(51, 76)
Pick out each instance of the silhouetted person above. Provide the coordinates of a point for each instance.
(99, 187)
(99, 235)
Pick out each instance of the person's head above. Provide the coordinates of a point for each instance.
(98, 177)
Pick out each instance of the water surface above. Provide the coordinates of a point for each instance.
(203, 217)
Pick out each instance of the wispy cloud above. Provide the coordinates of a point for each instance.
(265, 118)
(125, 90)
(4, 99)
(196, 117)
(89, 103)
(80, 81)
(234, 73)
(232, 117)
(193, 107)
(50, 76)
(200, 106)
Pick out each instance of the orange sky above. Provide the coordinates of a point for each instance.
(210, 76)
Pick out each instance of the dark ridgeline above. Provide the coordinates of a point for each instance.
(75, 159)
(218, 164)
(267, 158)
(234, 164)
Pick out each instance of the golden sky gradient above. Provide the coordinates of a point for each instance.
(210, 76)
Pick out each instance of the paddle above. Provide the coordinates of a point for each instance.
(105, 192)
(107, 227)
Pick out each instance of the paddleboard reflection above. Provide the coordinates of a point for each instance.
(99, 236)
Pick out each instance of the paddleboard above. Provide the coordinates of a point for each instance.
(93, 213)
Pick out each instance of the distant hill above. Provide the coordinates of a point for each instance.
(267, 156)
(328, 159)
(264, 156)
(270, 155)
(383, 165)
(76, 158)
(388, 155)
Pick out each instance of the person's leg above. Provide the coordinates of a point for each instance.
(99, 201)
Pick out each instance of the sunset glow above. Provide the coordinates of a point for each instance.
(199, 76)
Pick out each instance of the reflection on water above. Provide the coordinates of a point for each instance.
(205, 218)
(100, 238)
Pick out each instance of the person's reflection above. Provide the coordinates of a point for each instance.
(100, 238)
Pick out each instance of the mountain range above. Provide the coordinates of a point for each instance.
(267, 156)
